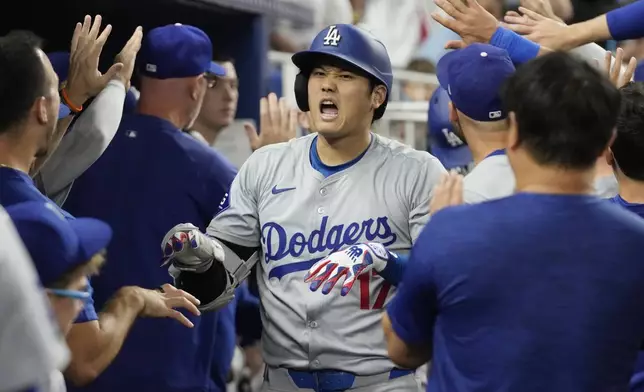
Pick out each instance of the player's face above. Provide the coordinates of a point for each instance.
(67, 309)
(341, 102)
(47, 108)
(220, 102)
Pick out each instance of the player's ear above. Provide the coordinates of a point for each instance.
(453, 115)
(513, 132)
(40, 110)
(378, 96)
(195, 87)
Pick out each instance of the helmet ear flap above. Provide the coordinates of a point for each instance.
(302, 91)
(378, 113)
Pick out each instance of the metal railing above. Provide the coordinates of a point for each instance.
(404, 120)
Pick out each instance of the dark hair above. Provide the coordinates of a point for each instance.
(220, 57)
(22, 77)
(421, 65)
(628, 148)
(565, 110)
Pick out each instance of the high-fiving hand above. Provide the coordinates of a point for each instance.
(470, 20)
(613, 68)
(84, 80)
(164, 301)
(277, 123)
(127, 57)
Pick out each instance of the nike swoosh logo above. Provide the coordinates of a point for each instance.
(276, 191)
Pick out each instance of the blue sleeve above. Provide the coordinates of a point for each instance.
(413, 309)
(395, 269)
(88, 313)
(626, 22)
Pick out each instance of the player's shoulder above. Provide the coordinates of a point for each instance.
(397, 152)
(269, 156)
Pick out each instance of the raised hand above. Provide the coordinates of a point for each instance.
(84, 80)
(277, 123)
(127, 57)
(538, 28)
(449, 192)
(164, 301)
(613, 67)
(470, 20)
(348, 264)
(188, 249)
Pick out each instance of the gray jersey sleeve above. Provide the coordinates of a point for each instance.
(426, 175)
(31, 345)
(89, 137)
(238, 219)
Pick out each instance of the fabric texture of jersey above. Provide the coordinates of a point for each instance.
(152, 177)
(17, 187)
(520, 309)
(281, 204)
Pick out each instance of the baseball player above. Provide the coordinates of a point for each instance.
(292, 204)
(625, 156)
(444, 143)
(510, 311)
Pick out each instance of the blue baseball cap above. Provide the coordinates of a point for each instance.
(57, 245)
(473, 77)
(444, 144)
(177, 51)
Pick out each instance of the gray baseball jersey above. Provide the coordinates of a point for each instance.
(280, 203)
(31, 345)
(493, 178)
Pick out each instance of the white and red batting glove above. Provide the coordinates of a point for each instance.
(348, 264)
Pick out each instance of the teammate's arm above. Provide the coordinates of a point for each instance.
(409, 320)
(88, 138)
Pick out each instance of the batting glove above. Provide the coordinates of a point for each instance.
(348, 264)
(186, 248)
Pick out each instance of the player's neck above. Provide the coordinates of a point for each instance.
(534, 178)
(14, 155)
(334, 152)
(630, 190)
(484, 143)
(153, 108)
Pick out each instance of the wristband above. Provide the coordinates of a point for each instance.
(67, 102)
(520, 49)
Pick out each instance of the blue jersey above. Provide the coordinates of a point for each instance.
(17, 187)
(152, 177)
(527, 293)
(637, 381)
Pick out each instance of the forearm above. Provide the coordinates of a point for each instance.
(403, 354)
(61, 128)
(90, 136)
(95, 346)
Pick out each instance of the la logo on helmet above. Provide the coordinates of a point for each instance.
(332, 37)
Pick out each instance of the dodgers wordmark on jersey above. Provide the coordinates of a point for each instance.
(280, 203)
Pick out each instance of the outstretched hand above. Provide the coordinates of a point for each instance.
(468, 19)
(277, 123)
(164, 301)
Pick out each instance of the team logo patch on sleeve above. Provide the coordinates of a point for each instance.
(224, 204)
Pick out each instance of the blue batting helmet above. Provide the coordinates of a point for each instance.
(351, 45)
(450, 149)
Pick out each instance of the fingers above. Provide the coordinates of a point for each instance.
(531, 14)
(517, 26)
(74, 45)
(617, 66)
(457, 190)
(445, 22)
(322, 276)
(455, 45)
(111, 73)
(317, 267)
(264, 116)
(513, 14)
(175, 314)
(292, 123)
(629, 72)
(100, 41)
(448, 8)
(274, 112)
(182, 302)
(284, 114)
(96, 27)
(348, 284)
(341, 272)
(251, 133)
(608, 60)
